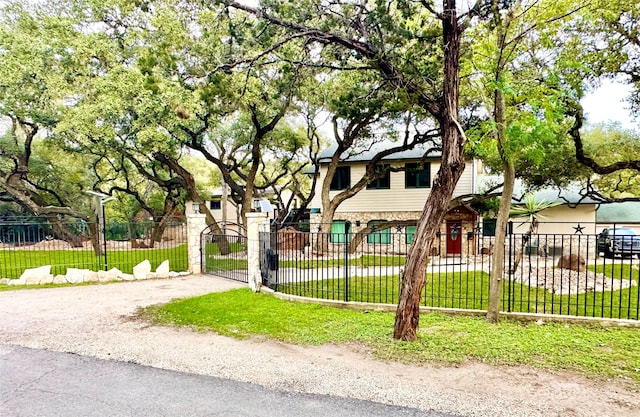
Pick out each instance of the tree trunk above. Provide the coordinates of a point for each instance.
(497, 257)
(94, 236)
(192, 192)
(452, 166)
(321, 245)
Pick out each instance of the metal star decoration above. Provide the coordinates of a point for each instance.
(578, 229)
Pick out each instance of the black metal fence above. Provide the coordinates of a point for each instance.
(35, 242)
(536, 278)
(226, 255)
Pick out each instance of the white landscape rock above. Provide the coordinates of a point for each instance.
(4, 281)
(33, 276)
(76, 275)
(126, 277)
(111, 275)
(59, 279)
(141, 270)
(162, 271)
(47, 280)
(91, 276)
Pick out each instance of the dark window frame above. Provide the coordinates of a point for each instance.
(382, 183)
(341, 179)
(414, 176)
(214, 203)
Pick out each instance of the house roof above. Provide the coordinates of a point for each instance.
(626, 212)
(364, 154)
(568, 195)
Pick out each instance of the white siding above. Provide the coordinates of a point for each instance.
(562, 220)
(397, 198)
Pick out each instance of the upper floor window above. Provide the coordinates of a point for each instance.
(215, 205)
(341, 179)
(382, 183)
(417, 175)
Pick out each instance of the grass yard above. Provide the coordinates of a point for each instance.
(595, 351)
(234, 261)
(470, 290)
(14, 261)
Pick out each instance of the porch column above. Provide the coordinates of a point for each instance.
(255, 223)
(196, 224)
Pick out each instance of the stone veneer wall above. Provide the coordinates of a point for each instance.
(196, 224)
(398, 243)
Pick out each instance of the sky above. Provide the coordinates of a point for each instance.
(607, 104)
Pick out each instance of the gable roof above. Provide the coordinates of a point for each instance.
(626, 212)
(365, 154)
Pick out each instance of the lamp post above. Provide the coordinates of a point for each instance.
(102, 198)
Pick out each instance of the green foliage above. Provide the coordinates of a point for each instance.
(531, 207)
(608, 144)
(595, 351)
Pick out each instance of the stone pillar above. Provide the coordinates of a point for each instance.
(255, 223)
(196, 224)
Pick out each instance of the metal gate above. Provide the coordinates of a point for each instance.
(269, 257)
(225, 254)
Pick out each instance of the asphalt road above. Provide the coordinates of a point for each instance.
(45, 383)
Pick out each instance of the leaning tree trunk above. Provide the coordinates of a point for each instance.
(451, 168)
(63, 232)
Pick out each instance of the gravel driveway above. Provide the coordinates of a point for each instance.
(97, 321)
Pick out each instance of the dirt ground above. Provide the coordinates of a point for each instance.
(99, 321)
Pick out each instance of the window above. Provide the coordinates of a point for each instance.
(383, 237)
(215, 205)
(341, 179)
(489, 227)
(411, 232)
(383, 183)
(340, 232)
(417, 175)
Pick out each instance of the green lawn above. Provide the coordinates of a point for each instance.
(234, 261)
(596, 351)
(14, 262)
(470, 290)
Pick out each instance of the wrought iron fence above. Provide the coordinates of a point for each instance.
(77, 244)
(225, 254)
(537, 276)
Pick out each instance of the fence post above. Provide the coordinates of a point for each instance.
(346, 265)
(254, 222)
(512, 243)
(196, 224)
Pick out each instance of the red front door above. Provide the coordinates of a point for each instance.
(454, 238)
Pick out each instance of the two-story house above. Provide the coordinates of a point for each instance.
(399, 195)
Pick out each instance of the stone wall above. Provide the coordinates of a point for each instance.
(398, 243)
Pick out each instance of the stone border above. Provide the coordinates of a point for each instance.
(42, 275)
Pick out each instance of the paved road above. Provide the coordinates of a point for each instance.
(43, 383)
